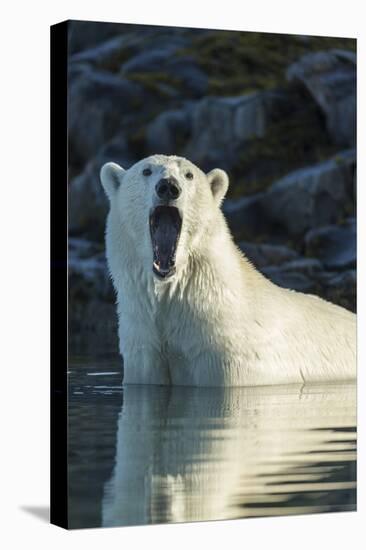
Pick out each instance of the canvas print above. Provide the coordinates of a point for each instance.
(205, 244)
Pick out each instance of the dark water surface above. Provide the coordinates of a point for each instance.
(146, 454)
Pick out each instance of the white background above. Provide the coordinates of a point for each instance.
(24, 272)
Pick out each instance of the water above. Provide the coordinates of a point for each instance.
(142, 455)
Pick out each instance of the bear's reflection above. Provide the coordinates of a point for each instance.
(187, 454)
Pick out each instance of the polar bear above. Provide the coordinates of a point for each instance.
(192, 309)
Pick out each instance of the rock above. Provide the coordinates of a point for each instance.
(289, 279)
(109, 54)
(245, 216)
(100, 104)
(192, 80)
(88, 272)
(324, 277)
(262, 255)
(297, 274)
(330, 77)
(165, 60)
(92, 316)
(307, 266)
(93, 328)
(88, 204)
(341, 289)
(221, 126)
(151, 60)
(167, 132)
(334, 245)
(312, 196)
(145, 50)
(87, 34)
(338, 288)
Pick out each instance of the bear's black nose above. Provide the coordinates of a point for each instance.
(168, 189)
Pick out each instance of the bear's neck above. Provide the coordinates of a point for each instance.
(216, 273)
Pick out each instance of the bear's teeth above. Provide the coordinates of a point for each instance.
(156, 265)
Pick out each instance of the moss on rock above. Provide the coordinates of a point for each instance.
(293, 140)
(238, 62)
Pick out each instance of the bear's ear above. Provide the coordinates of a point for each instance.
(111, 176)
(219, 183)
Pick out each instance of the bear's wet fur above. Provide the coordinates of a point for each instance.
(192, 309)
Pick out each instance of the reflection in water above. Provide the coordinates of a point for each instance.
(187, 454)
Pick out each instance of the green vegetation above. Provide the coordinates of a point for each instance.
(240, 62)
(243, 62)
(293, 140)
(159, 84)
(113, 62)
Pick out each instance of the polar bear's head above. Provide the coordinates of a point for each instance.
(164, 206)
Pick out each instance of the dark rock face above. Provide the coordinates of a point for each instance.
(341, 289)
(88, 204)
(180, 69)
(306, 266)
(88, 273)
(335, 245)
(87, 34)
(100, 54)
(263, 255)
(298, 274)
(100, 104)
(151, 60)
(220, 126)
(245, 216)
(290, 279)
(330, 77)
(110, 54)
(312, 196)
(166, 133)
(92, 315)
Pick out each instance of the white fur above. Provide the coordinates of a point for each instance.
(217, 321)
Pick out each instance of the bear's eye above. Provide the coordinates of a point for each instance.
(189, 176)
(147, 172)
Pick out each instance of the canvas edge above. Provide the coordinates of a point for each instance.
(59, 274)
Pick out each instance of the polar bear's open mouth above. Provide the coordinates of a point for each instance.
(165, 228)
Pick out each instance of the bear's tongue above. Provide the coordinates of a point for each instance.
(165, 226)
